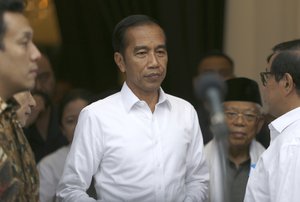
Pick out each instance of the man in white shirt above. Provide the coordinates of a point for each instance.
(276, 177)
(140, 144)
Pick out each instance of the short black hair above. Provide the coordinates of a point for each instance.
(118, 39)
(16, 6)
(285, 46)
(287, 60)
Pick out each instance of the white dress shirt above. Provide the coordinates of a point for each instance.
(136, 155)
(50, 170)
(276, 177)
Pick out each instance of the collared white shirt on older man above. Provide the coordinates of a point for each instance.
(276, 177)
(134, 154)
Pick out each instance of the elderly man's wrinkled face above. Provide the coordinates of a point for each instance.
(244, 122)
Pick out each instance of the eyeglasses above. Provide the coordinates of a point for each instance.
(264, 77)
(247, 116)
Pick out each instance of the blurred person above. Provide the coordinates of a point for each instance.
(242, 108)
(276, 176)
(45, 80)
(18, 69)
(44, 134)
(27, 103)
(216, 61)
(213, 61)
(42, 102)
(51, 166)
(139, 144)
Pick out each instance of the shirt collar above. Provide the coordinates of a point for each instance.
(278, 125)
(130, 99)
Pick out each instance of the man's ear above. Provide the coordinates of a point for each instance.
(288, 83)
(119, 60)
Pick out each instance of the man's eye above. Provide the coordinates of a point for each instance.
(24, 43)
(231, 113)
(250, 116)
(141, 53)
(161, 53)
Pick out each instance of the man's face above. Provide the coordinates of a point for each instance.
(216, 64)
(271, 93)
(18, 68)
(26, 103)
(45, 80)
(244, 122)
(145, 58)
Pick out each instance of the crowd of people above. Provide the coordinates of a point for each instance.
(141, 143)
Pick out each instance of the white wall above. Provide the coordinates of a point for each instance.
(253, 27)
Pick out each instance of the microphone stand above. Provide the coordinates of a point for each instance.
(218, 171)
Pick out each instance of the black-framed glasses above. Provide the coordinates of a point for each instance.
(247, 116)
(264, 77)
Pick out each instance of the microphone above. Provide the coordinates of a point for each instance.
(210, 88)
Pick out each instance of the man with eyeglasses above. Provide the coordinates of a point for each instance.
(242, 109)
(276, 177)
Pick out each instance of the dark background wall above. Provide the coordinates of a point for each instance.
(86, 56)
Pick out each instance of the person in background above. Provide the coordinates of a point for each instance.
(243, 116)
(18, 69)
(139, 144)
(27, 103)
(276, 176)
(213, 61)
(42, 102)
(216, 61)
(45, 80)
(51, 166)
(44, 133)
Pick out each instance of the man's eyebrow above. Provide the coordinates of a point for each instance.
(161, 46)
(137, 48)
(26, 35)
(140, 47)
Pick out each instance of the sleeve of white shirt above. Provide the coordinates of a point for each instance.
(83, 159)
(197, 175)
